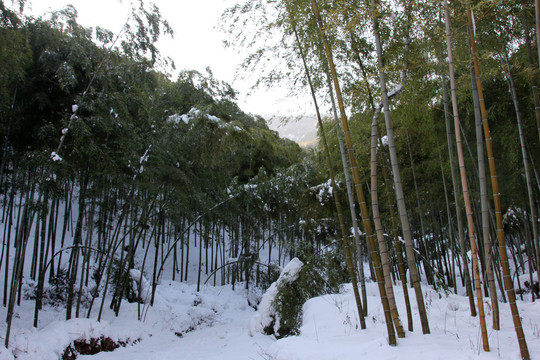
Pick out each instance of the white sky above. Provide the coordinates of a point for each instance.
(196, 43)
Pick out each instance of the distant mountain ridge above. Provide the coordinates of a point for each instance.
(300, 129)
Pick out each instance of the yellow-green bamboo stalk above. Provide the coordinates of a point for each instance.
(508, 284)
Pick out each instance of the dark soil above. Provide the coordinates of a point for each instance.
(93, 346)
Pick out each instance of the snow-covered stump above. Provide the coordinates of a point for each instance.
(266, 315)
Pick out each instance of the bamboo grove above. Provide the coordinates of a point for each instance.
(112, 172)
(109, 167)
(457, 86)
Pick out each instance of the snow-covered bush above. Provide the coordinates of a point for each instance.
(266, 319)
(56, 291)
(280, 310)
(291, 296)
(121, 278)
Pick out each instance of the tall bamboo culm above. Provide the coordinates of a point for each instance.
(346, 242)
(464, 184)
(537, 13)
(400, 198)
(356, 176)
(508, 284)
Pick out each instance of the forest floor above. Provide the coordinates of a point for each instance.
(213, 324)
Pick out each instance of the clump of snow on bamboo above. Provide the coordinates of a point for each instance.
(266, 313)
(141, 286)
(196, 113)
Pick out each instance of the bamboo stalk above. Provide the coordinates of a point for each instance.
(354, 168)
(530, 193)
(346, 244)
(379, 230)
(464, 184)
(497, 200)
(402, 209)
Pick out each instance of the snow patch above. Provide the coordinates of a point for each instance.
(384, 140)
(55, 157)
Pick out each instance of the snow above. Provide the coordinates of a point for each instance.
(141, 286)
(208, 324)
(193, 113)
(395, 91)
(144, 158)
(215, 323)
(74, 107)
(324, 191)
(330, 330)
(55, 157)
(51, 341)
(175, 118)
(185, 118)
(266, 313)
(214, 118)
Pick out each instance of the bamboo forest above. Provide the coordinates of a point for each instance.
(144, 211)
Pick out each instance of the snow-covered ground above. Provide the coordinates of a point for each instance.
(210, 324)
(213, 324)
(331, 330)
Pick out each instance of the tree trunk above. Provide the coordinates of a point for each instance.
(426, 258)
(397, 242)
(344, 235)
(354, 167)
(463, 247)
(41, 269)
(451, 235)
(537, 13)
(402, 209)
(379, 229)
(488, 252)
(532, 208)
(18, 265)
(496, 197)
(77, 240)
(464, 184)
(350, 197)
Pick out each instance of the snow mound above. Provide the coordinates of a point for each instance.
(266, 313)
